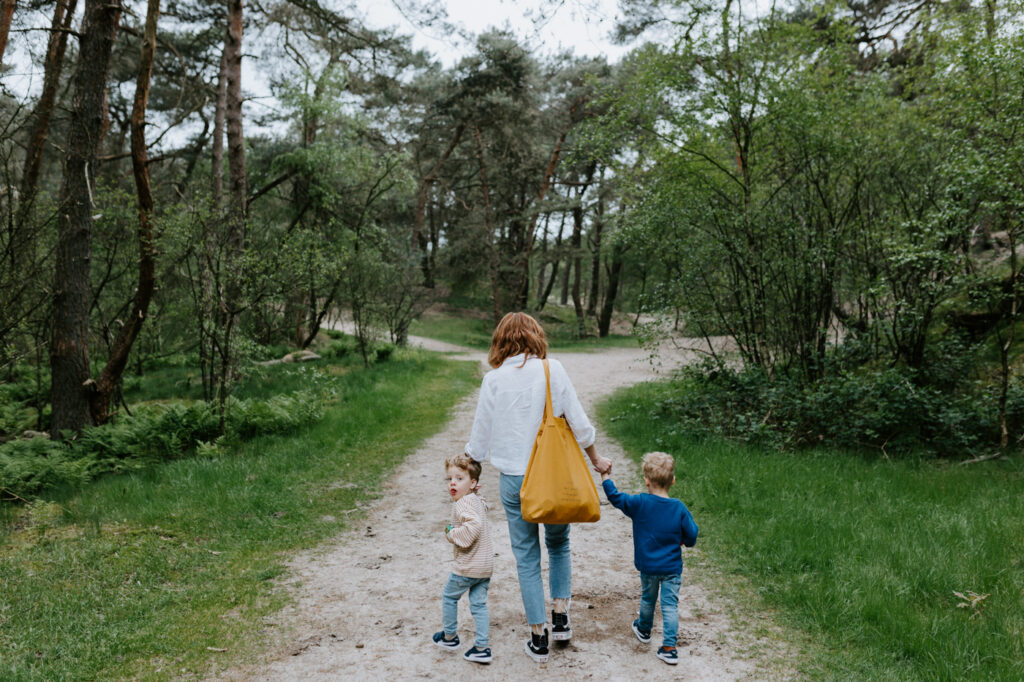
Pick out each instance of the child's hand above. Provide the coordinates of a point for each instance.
(605, 475)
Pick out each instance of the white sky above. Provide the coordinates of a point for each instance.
(545, 26)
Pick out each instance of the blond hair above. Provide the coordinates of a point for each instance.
(659, 469)
(466, 463)
(517, 333)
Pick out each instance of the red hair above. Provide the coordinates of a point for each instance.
(517, 333)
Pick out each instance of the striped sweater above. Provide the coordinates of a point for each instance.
(471, 537)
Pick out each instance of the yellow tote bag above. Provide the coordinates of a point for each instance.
(558, 487)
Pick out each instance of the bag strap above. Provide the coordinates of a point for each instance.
(549, 412)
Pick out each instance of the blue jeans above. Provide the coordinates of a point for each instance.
(669, 585)
(525, 537)
(456, 586)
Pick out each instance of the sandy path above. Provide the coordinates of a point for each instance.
(368, 601)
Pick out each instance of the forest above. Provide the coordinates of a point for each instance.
(833, 188)
(823, 200)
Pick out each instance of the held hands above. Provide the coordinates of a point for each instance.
(605, 475)
(602, 465)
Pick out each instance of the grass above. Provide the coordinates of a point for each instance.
(474, 331)
(168, 572)
(863, 555)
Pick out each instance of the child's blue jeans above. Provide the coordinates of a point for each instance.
(456, 586)
(669, 587)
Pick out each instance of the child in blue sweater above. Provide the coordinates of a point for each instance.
(661, 524)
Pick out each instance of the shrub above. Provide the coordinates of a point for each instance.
(338, 348)
(383, 352)
(153, 434)
(28, 467)
(893, 410)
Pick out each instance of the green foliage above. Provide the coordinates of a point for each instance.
(472, 329)
(136, 575)
(152, 434)
(891, 410)
(866, 555)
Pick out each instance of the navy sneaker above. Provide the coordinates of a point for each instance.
(441, 641)
(537, 647)
(561, 631)
(668, 654)
(478, 655)
(644, 637)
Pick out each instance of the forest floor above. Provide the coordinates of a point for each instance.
(366, 603)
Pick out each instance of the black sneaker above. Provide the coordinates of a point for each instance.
(561, 631)
(478, 655)
(668, 654)
(537, 647)
(644, 637)
(451, 644)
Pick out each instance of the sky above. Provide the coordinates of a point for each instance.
(547, 26)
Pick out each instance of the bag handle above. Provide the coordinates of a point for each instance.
(549, 412)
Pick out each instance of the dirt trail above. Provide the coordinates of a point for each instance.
(368, 601)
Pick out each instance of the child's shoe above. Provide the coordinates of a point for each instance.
(478, 655)
(561, 630)
(450, 644)
(644, 637)
(668, 654)
(537, 647)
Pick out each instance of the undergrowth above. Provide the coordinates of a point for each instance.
(902, 569)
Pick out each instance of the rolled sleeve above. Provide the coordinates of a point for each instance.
(573, 412)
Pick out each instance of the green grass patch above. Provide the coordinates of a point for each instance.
(862, 554)
(465, 328)
(151, 574)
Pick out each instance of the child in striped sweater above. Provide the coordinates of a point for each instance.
(470, 534)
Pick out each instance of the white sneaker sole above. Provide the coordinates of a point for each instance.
(540, 658)
(474, 659)
(561, 636)
(447, 647)
(639, 636)
(670, 661)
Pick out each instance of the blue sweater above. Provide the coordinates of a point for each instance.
(660, 526)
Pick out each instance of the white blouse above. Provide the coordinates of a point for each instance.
(510, 409)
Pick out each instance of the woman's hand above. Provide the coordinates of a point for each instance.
(602, 465)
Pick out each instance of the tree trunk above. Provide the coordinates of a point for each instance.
(1005, 346)
(236, 217)
(233, 120)
(595, 269)
(563, 296)
(63, 15)
(420, 240)
(72, 385)
(577, 252)
(498, 309)
(217, 148)
(544, 292)
(6, 14)
(576, 243)
(110, 377)
(604, 322)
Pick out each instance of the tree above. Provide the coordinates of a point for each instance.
(72, 385)
(110, 376)
(6, 13)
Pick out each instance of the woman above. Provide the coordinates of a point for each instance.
(508, 416)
